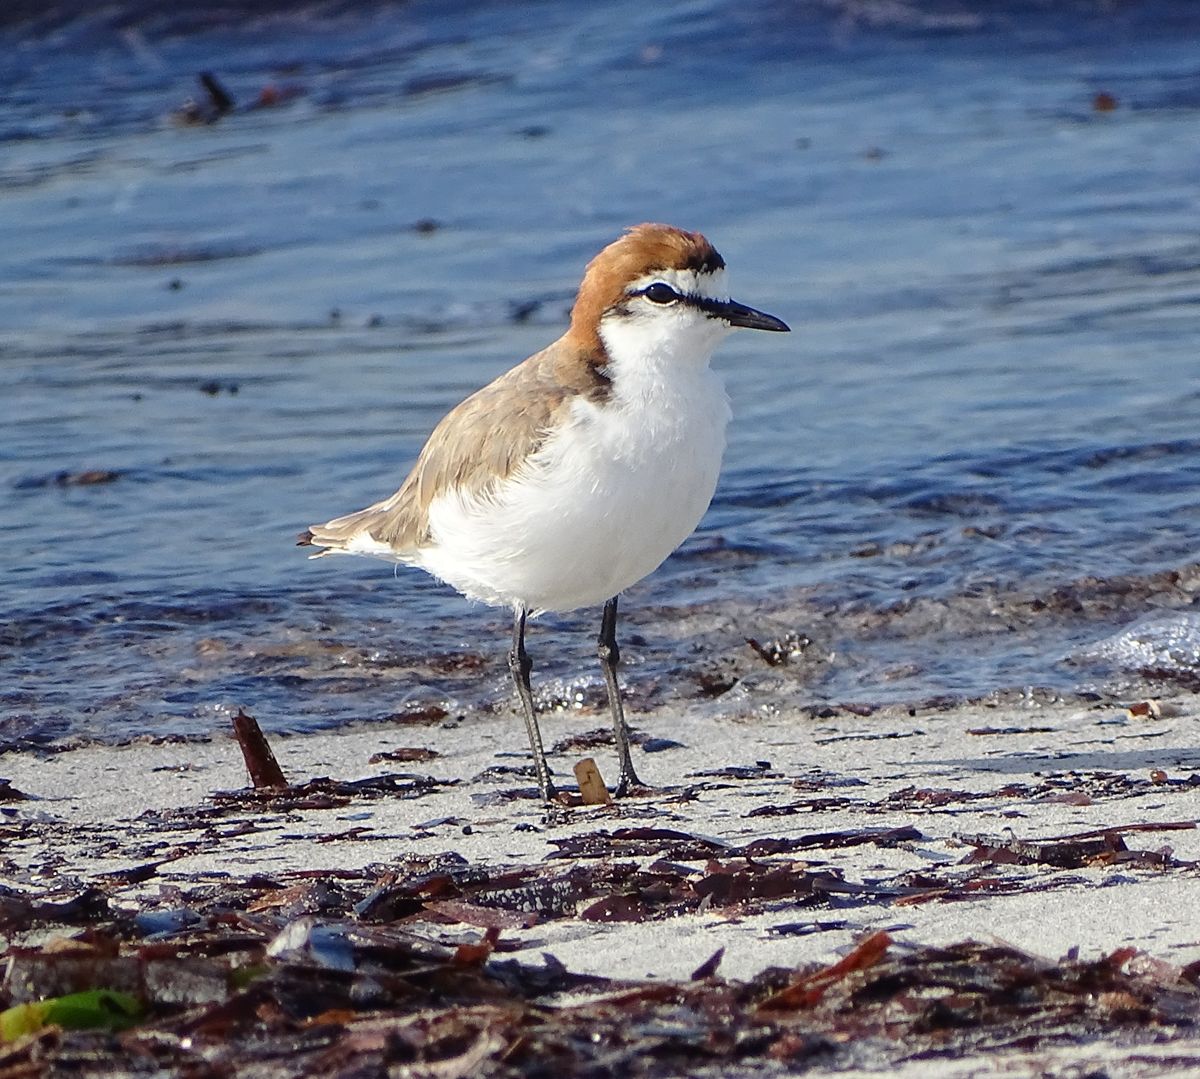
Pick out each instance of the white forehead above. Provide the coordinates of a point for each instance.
(686, 282)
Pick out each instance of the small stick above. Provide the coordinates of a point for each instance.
(591, 784)
(217, 94)
(260, 761)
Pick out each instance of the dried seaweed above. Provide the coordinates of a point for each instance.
(319, 793)
(404, 755)
(406, 967)
(9, 793)
(1104, 846)
(331, 996)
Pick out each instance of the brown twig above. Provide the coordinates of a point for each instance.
(260, 761)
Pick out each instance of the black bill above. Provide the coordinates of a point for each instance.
(738, 314)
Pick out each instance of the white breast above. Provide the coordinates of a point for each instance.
(604, 501)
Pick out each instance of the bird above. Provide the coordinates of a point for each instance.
(576, 473)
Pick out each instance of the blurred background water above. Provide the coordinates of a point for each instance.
(976, 455)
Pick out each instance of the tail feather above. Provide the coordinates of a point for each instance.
(363, 532)
(308, 538)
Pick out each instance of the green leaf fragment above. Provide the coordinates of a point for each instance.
(103, 1009)
(20, 1020)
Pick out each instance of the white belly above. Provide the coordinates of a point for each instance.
(601, 505)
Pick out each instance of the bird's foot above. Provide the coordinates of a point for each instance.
(629, 786)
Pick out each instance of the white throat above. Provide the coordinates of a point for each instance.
(649, 346)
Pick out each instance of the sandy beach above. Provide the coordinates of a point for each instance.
(1057, 829)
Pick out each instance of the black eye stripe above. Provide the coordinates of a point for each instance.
(709, 306)
(660, 292)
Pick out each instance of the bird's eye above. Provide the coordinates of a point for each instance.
(660, 293)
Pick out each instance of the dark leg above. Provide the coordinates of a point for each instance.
(520, 666)
(610, 657)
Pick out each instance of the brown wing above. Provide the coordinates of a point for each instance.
(477, 444)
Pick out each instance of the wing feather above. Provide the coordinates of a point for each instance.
(478, 444)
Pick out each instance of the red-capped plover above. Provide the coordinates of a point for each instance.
(576, 473)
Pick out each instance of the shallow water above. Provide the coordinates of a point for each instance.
(978, 451)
